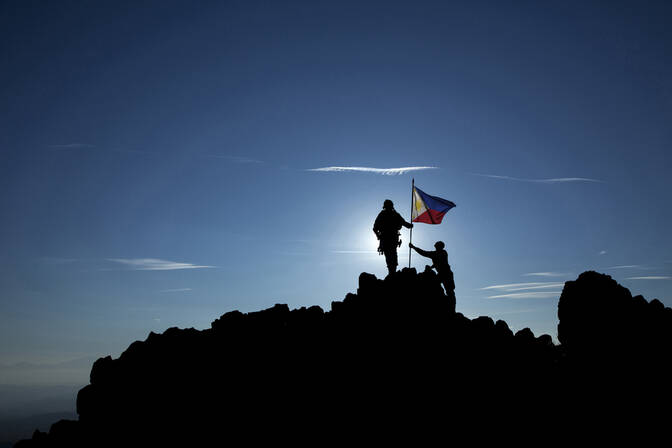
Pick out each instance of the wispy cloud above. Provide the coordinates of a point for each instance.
(236, 159)
(546, 274)
(154, 264)
(510, 287)
(650, 277)
(530, 290)
(133, 151)
(354, 252)
(83, 362)
(528, 295)
(553, 180)
(176, 290)
(365, 169)
(627, 266)
(526, 310)
(602, 252)
(73, 146)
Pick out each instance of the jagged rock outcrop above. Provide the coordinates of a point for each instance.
(393, 358)
(602, 324)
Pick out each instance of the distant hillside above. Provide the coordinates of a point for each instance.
(392, 361)
(12, 429)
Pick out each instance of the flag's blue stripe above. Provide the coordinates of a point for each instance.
(435, 203)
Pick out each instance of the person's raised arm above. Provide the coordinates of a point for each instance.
(424, 253)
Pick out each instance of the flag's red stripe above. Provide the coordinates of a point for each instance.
(430, 217)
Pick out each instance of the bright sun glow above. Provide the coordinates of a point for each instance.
(366, 241)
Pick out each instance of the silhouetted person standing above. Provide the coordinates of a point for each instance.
(440, 259)
(387, 227)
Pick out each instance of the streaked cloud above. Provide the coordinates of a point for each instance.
(546, 274)
(133, 151)
(510, 287)
(530, 290)
(627, 266)
(176, 290)
(553, 180)
(236, 159)
(526, 310)
(155, 264)
(354, 252)
(364, 169)
(528, 295)
(650, 277)
(603, 252)
(83, 362)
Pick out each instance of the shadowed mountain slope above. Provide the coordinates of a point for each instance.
(392, 361)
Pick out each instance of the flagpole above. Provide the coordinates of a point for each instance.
(410, 238)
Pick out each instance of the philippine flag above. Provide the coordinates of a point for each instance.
(428, 209)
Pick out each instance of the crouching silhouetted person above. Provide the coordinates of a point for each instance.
(387, 227)
(440, 259)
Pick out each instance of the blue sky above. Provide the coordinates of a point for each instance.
(156, 157)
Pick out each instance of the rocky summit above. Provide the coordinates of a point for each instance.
(393, 362)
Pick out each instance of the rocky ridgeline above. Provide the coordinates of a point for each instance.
(393, 359)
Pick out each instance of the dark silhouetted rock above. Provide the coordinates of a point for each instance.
(394, 358)
(604, 329)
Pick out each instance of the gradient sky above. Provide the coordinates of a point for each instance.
(156, 157)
